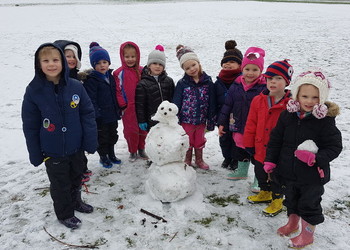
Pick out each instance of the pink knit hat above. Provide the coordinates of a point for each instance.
(254, 55)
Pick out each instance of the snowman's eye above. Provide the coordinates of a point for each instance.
(161, 108)
(170, 110)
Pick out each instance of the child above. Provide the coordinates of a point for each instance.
(195, 97)
(237, 102)
(263, 115)
(59, 125)
(126, 78)
(230, 70)
(72, 52)
(309, 117)
(154, 88)
(101, 88)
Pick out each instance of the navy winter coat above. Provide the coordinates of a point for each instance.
(290, 132)
(58, 120)
(103, 96)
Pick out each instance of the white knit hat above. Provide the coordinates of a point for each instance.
(184, 53)
(314, 77)
(75, 51)
(157, 56)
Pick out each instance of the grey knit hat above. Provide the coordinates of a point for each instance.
(157, 56)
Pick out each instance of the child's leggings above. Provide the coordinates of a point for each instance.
(195, 134)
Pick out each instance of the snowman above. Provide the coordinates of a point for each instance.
(170, 179)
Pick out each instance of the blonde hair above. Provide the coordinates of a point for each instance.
(48, 50)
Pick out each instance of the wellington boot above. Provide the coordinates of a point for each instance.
(291, 227)
(199, 159)
(142, 154)
(274, 208)
(261, 197)
(241, 173)
(188, 158)
(255, 186)
(305, 238)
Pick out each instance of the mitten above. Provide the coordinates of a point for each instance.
(305, 156)
(250, 151)
(269, 167)
(143, 126)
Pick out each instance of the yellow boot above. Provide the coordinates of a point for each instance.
(261, 197)
(274, 208)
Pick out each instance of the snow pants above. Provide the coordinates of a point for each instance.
(228, 146)
(65, 176)
(107, 137)
(196, 134)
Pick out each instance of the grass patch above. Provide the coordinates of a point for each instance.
(223, 201)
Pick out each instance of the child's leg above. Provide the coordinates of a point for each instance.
(131, 129)
(103, 145)
(241, 173)
(226, 142)
(199, 143)
(113, 138)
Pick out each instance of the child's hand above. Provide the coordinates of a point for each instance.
(221, 130)
(143, 126)
(269, 167)
(305, 156)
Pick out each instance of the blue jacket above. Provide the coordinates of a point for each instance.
(103, 96)
(58, 120)
(238, 103)
(196, 101)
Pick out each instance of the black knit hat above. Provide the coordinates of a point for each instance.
(232, 53)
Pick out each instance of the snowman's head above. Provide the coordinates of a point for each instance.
(166, 113)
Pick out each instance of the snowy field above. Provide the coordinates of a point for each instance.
(217, 216)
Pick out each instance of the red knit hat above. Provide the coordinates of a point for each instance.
(280, 68)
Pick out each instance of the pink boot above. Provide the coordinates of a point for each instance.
(305, 238)
(188, 158)
(291, 227)
(199, 159)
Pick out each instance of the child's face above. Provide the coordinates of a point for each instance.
(276, 85)
(308, 97)
(192, 68)
(51, 65)
(70, 57)
(250, 73)
(130, 56)
(102, 66)
(230, 65)
(155, 69)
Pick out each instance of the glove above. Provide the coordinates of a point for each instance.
(143, 126)
(269, 167)
(250, 151)
(305, 156)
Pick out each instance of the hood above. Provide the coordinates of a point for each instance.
(63, 43)
(122, 54)
(333, 109)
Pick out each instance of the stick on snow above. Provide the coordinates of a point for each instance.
(153, 215)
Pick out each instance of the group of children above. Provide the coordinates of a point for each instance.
(258, 120)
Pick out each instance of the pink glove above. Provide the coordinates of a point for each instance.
(269, 167)
(305, 156)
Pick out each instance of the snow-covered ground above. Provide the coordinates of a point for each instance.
(217, 216)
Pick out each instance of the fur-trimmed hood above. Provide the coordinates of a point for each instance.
(333, 109)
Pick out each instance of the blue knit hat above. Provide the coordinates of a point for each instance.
(97, 53)
(281, 68)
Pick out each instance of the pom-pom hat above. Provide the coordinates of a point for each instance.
(280, 68)
(184, 53)
(254, 55)
(157, 56)
(74, 48)
(97, 53)
(232, 53)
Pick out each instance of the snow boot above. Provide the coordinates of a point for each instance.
(105, 161)
(142, 154)
(199, 159)
(241, 173)
(261, 197)
(255, 186)
(226, 163)
(274, 208)
(305, 238)
(79, 205)
(133, 157)
(112, 157)
(291, 227)
(72, 222)
(188, 158)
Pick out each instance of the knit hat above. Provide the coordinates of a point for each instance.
(97, 53)
(184, 53)
(157, 56)
(280, 68)
(75, 52)
(316, 78)
(232, 53)
(254, 55)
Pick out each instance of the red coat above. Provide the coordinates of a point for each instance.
(261, 120)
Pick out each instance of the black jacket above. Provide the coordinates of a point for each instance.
(290, 132)
(150, 93)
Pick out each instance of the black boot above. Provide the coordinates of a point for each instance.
(105, 161)
(112, 157)
(79, 205)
